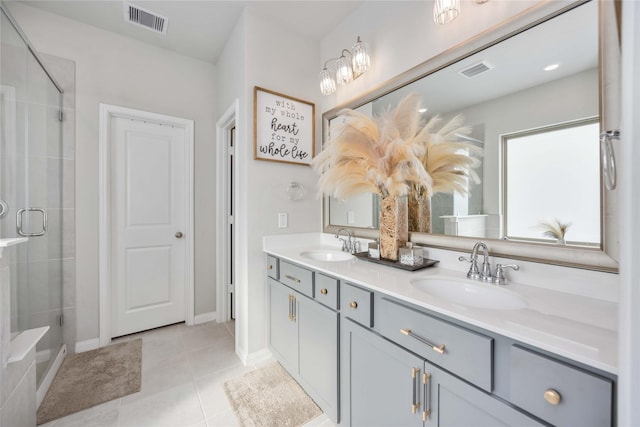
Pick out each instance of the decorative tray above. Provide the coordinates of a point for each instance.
(396, 264)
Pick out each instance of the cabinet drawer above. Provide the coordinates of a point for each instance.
(465, 353)
(585, 399)
(297, 277)
(357, 304)
(327, 291)
(272, 267)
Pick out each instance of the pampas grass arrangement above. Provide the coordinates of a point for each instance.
(448, 161)
(395, 155)
(379, 155)
(554, 229)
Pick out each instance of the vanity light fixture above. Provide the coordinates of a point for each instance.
(348, 67)
(445, 11)
(551, 67)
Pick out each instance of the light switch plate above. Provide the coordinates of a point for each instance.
(282, 220)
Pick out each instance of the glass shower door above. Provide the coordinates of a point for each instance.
(30, 185)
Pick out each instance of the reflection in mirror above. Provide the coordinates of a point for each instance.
(542, 188)
(543, 81)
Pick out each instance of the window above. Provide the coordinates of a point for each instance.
(540, 185)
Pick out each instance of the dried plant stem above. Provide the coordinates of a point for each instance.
(393, 225)
(419, 213)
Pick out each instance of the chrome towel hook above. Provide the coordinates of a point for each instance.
(609, 158)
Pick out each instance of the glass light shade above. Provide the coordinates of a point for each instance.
(445, 11)
(361, 61)
(327, 84)
(344, 72)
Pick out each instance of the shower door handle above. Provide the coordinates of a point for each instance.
(19, 216)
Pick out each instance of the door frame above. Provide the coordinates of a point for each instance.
(107, 114)
(227, 121)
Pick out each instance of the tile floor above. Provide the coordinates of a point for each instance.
(183, 372)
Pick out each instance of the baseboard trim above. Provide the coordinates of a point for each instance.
(256, 357)
(92, 344)
(205, 317)
(51, 374)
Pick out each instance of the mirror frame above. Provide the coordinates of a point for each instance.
(599, 259)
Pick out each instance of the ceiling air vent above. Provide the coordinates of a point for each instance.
(145, 18)
(476, 69)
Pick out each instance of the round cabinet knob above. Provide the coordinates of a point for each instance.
(179, 235)
(552, 396)
(353, 304)
(323, 291)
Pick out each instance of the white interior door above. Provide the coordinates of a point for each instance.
(148, 218)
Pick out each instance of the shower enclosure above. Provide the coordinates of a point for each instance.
(31, 196)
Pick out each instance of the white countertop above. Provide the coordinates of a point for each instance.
(574, 326)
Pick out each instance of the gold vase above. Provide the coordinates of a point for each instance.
(394, 226)
(419, 213)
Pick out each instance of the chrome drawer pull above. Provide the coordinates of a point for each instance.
(552, 396)
(353, 304)
(434, 347)
(295, 279)
(270, 267)
(323, 291)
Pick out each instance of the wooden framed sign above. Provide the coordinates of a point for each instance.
(283, 128)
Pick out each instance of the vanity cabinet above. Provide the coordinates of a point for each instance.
(402, 365)
(371, 359)
(303, 332)
(384, 384)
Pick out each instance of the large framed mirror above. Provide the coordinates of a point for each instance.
(532, 93)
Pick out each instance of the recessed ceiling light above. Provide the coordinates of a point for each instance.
(551, 67)
(422, 110)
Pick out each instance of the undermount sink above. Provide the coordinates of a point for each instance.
(327, 255)
(470, 293)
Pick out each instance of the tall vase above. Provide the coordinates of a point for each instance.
(394, 226)
(419, 213)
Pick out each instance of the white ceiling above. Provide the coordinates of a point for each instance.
(200, 29)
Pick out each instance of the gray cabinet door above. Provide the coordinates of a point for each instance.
(318, 333)
(454, 403)
(283, 326)
(378, 387)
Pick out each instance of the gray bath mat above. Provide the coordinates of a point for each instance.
(270, 397)
(93, 377)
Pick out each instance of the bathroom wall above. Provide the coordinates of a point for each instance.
(628, 390)
(284, 62)
(117, 70)
(402, 35)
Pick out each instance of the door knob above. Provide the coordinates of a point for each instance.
(179, 235)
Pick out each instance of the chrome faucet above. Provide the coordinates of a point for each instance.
(350, 244)
(474, 272)
(484, 273)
